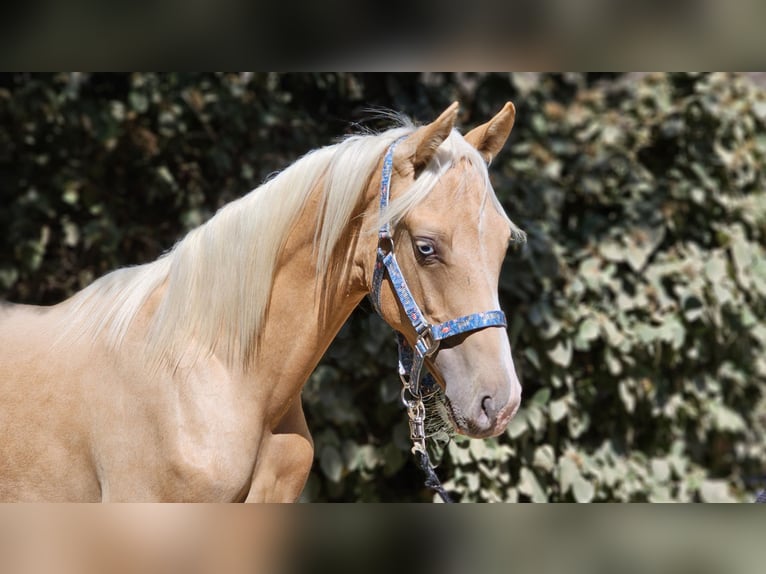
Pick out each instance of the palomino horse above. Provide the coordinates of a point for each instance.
(181, 379)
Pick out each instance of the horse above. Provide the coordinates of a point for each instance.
(181, 379)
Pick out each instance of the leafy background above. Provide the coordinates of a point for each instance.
(636, 308)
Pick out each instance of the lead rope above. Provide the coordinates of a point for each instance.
(417, 416)
(410, 370)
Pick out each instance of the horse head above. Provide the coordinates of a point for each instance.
(451, 235)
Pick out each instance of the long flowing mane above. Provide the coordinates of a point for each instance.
(215, 284)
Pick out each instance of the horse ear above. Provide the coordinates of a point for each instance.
(421, 146)
(489, 138)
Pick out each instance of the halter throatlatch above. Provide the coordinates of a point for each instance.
(412, 357)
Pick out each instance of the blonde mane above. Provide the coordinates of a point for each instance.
(216, 282)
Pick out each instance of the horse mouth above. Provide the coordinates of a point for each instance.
(462, 424)
(466, 426)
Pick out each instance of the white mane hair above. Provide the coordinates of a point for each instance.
(216, 282)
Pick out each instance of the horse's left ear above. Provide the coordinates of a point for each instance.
(421, 146)
(490, 138)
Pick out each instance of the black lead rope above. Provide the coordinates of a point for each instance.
(432, 481)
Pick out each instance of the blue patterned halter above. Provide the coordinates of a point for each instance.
(412, 358)
(428, 336)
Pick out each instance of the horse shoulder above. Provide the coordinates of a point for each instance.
(284, 460)
(205, 433)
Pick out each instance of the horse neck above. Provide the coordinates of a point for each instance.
(309, 306)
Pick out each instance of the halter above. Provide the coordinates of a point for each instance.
(412, 358)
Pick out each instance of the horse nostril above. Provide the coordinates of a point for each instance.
(488, 406)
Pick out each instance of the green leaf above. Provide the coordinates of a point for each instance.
(473, 482)
(541, 397)
(641, 241)
(532, 357)
(138, 101)
(518, 425)
(558, 410)
(331, 463)
(627, 395)
(646, 333)
(478, 449)
(660, 493)
(591, 272)
(715, 491)
(726, 419)
(613, 335)
(612, 363)
(612, 251)
(583, 490)
(694, 308)
(715, 268)
(8, 276)
(589, 330)
(635, 256)
(544, 458)
(535, 418)
(568, 473)
(459, 453)
(529, 485)
(660, 470)
(743, 259)
(759, 272)
(561, 354)
(672, 331)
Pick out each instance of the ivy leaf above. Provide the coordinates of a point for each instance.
(612, 251)
(742, 256)
(532, 357)
(536, 418)
(660, 470)
(641, 242)
(541, 397)
(568, 473)
(672, 331)
(715, 268)
(529, 485)
(591, 273)
(588, 331)
(478, 449)
(544, 458)
(518, 425)
(331, 463)
(613, 335)
(583, 490)
(627, 395)
(558, 410)
(727, 420)
(715, 491)
(561, 354)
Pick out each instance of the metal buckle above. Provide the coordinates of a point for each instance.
(425, 344)
(416, 412)
(386, 243)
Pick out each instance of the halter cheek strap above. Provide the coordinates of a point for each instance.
(411, 360)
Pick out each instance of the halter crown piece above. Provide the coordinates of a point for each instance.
(412, 358)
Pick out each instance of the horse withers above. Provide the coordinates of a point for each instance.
(180, 379)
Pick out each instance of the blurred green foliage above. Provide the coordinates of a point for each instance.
(636, 309)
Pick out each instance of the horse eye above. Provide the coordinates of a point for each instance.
(425, 249)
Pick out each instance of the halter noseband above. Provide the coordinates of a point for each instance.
(412, 358)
